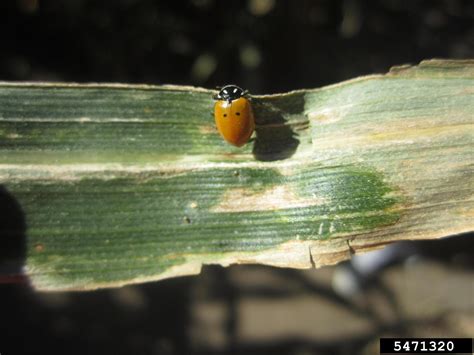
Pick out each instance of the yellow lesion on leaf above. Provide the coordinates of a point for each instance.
(415, 133)
(327, 115)
(275, 198)
(207, 129)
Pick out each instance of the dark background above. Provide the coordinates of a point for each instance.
(264, 46)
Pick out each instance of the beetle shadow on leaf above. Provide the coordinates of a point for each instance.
(12, 234)
(275, 137)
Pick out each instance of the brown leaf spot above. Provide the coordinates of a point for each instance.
(275, 198)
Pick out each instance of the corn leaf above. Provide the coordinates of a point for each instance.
(107, 184)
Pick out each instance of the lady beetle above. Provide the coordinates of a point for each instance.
(233, 115)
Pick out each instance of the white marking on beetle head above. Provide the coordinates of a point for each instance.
(235, 90)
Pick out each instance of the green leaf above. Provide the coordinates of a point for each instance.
(122, 184)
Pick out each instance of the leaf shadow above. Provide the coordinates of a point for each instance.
(276, 138)
(12, 235)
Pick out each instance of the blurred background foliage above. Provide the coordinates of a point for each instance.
(266, 46)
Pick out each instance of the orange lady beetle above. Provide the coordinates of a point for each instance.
(233, 115)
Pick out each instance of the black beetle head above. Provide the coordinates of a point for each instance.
(230, 93)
